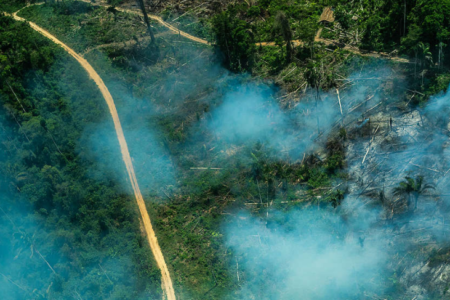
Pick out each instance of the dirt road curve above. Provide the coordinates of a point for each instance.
(158, 19)
(122, 44)
(295, 43)
(152, 240)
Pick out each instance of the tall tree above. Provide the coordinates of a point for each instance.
(282, 27)
(146, 20)
(441, 54)
(426, 56)
(315, 77)
(409, 43)
(434, 19)
(306, 32)
(235, 40)
(404, 19)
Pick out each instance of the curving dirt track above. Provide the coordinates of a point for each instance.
(159, 20)
(152, 240)
(295, 43)
(121, 44)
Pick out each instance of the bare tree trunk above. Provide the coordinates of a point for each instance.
(288, 51)
(317, 116)
(17, 121)
(415, 68)
(54, 143)
(146, 20)
(408, 204)
(17, 98)
(404, 21)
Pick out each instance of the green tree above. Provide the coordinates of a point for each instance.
(409, 44)
(307, 32)
(342, 17)
(433, 16)
(234, 40)
(426, 56)
(382, 22)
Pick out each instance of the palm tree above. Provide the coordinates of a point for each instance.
(412, 188)
(336, 198)
(427, 56)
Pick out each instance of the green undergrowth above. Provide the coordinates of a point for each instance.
(83, 26)
(11, 6)
(190, 23)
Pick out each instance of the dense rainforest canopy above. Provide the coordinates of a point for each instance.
(71, 227)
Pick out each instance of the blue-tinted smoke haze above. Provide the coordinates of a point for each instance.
(250, 113)
(349, 252)
(308, 254)
(152, 163)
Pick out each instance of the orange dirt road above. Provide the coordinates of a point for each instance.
(295, 43)
(152, 240)
(158, 19)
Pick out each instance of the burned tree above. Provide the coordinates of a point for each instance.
(146, 20)
(314, 77)
(282, 27)
(412, 188)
